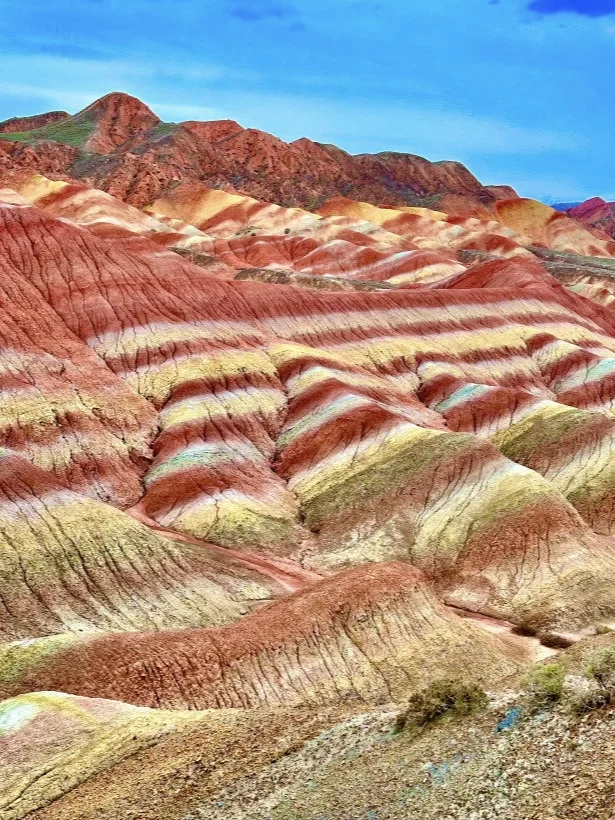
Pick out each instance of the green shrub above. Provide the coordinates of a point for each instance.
(603, 629)
(544, 684)
(597, 686)
(445, 696)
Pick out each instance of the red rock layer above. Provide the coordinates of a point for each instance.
(371, 634)
(70, 564)
(552, 229)
(225, 154)
(331, 460)
(116, 119)
(596, 213)
(49, 158)
(17, 124)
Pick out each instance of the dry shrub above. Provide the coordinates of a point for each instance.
(447, 696)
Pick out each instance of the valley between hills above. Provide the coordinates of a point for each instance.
(295, 444)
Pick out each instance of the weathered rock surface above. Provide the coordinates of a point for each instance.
(596, 213)
(371, 634)
(54, 747)
(128, 152)
(399, 385)
(257, 455)
(21, 124)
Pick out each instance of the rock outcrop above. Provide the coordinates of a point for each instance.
(17, 125)
(371, 634)
(128, 152)
(596, 213)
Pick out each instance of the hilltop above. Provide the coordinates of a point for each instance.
(119, 145)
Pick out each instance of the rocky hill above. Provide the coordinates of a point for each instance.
(597, 213)
(269, 473)
(120, 146)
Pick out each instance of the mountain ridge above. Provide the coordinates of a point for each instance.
(125, 149)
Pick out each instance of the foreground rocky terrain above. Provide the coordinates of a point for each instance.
(268, 472)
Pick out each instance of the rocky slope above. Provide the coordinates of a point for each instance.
(263, 457)
(596, 213)
(70, 758)
(17, 125)
(372, 634)
(123, 148)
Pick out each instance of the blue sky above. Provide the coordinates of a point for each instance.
(521, 91)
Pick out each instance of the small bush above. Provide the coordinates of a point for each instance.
(445, 696)
(544, 684)
(603, 629)
(597, 686)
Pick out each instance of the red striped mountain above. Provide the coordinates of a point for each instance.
(256, 461)
(596, 213)
(122, 147)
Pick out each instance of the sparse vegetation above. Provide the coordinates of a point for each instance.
(596, 687)
(544, 684)
(69, 132)
(445, 696)
(548, 684)
(163, 129)
(582, 695)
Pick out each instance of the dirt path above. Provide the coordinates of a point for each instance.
(289, 574)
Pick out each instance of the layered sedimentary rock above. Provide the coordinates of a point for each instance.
(551, 229)
(51, 742)
(337, 428)
(435, 229)
(256, 457)
(123, 148)
(372, 634)
(73, 564)
(596, 213)
(65, 756)
(589, 276)
(260, 456)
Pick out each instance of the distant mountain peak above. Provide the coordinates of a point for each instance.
(149, 155)
(116, 118)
